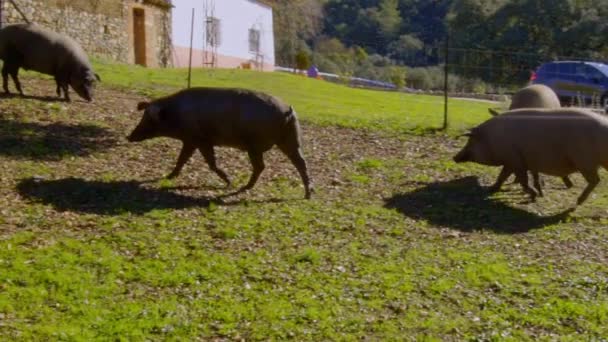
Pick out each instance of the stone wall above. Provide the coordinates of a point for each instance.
(163, 37)
(103, 27)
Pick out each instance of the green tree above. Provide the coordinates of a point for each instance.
(296, 22)
(388, 18)
(405, 48)
(497, 41)
(398, 77)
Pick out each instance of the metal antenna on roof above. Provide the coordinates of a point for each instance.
(211, 37)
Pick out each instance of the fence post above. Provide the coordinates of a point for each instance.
(190, 57)
(445, 82)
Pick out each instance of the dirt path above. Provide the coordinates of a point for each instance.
(40, 135)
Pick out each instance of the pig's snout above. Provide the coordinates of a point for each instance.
(133, 138)
(142, 132)
(461, 157)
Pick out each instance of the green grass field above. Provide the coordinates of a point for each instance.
(398, 242)
(316, 101)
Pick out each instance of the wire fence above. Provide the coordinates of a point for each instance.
(451, 74)
(577, 81)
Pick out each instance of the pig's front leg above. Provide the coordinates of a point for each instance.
(502, 177)
(187, 151)
(209, 154)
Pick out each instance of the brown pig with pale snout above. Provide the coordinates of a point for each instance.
(203, 118)
(532, 96)
(556, 142)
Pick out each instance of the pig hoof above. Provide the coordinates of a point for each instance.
(171, 175)
(241, 191)
(309, 193)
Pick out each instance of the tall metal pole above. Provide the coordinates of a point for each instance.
(190, 59)
(445, 83)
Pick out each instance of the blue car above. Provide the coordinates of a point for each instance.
(574, 79)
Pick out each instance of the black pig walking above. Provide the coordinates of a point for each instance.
(203, 118)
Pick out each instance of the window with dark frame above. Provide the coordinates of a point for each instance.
(254, 40)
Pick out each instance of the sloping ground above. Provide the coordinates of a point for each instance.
(397, 243)
(317, 101)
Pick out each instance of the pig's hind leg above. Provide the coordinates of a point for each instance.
(538, 182)
(5, 78)
(11, 68)
(15, 76)
(257, 162)
(592, 178)
(209, 154)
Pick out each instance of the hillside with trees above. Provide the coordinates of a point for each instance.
(403, 41)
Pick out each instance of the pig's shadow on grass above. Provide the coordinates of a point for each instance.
(464, 204)
(4, 95)
(115, 198)
(53, 141)
(103, 198)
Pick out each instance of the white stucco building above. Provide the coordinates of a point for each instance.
(227, 34)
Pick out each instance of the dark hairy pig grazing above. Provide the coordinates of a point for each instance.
(33, 47)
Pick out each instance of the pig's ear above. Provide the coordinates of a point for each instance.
(98, 78)
(143, 105)
(468, 134)
(493, 111)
